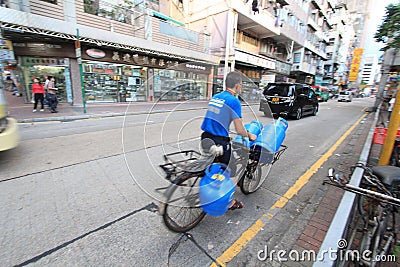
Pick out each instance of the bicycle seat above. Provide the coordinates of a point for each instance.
(389, 175)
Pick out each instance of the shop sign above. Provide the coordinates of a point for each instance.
(142, 60)
(46, 61)
(267, 78)
(255, 60)
(44, 49)
(195, 66)
(355, 64)
(95, 53)
(6, 50)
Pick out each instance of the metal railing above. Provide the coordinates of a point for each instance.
(342, 218)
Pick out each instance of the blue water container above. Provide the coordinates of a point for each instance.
(254, 127)
(272, 135)
(216, 190)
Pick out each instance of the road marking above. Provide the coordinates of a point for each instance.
(253, 230)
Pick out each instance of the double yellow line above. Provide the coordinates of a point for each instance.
(253, 230)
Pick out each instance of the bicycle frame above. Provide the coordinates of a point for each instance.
(376, 237)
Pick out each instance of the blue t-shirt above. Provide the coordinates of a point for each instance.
(223, 108)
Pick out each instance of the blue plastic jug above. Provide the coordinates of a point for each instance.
(254, 127)
(216, 190)
(272, 135)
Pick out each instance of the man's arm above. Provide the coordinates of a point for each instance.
(241, 130)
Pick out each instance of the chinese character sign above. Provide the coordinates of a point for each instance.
(355, 64)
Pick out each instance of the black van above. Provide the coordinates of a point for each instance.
(289, 99)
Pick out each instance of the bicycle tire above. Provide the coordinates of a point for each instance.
(368, 208)
(186, 188)
(253, 177)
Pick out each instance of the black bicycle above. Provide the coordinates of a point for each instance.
(378, 203)
(184, 169)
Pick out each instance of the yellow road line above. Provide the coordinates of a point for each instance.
(253, 230)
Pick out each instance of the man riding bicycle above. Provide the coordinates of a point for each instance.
(223, 109)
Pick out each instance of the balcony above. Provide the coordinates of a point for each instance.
(309, 45)
(304, 67)
(262, 23)
(312, 24)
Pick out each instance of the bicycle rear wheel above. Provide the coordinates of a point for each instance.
(254, 176)
(182, 210)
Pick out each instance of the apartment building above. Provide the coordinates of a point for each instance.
(369, 69)
(128, 52)
(238, 32)
(280, 40)
(145, 50)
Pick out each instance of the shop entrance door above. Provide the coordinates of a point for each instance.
(41, 71)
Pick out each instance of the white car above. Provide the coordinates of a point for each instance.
(345, 96)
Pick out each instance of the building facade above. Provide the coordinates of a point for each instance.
(369, 70)
(127, 53)
(177, 49)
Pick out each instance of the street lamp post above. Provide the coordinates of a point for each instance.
(79, 59)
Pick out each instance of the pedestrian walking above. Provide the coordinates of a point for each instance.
(390, 108)
(52, 97)
(38, 93)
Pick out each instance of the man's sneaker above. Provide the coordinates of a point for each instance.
(41, 110)
(34, 110)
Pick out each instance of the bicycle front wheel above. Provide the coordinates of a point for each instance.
(182, 210)
(253, 177)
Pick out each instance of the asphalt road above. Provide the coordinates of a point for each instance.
(82, 193)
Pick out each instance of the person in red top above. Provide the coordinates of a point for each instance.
(38, 91)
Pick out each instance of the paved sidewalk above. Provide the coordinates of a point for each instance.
(22, 111)
(307, 217)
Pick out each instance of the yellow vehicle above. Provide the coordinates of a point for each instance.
(9, 136)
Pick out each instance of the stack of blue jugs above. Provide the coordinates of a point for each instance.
(270, 139)
(254, 127)
(216, 190)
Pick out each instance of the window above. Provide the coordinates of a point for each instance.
(108, 10)
(249, 39)
(50, 1)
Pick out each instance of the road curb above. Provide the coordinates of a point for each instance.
(109, 115)
(97, 116)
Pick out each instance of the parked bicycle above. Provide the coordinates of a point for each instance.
(378, 204)
(395, 157)
(182, 210)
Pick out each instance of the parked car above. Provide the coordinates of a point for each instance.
(346, 96)
(8, 126)
(289, 99)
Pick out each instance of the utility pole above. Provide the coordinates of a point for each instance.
(79, 59)
(392, 132)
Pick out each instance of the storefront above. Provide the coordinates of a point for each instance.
(181, 82)
(40, 60)
(116, 76)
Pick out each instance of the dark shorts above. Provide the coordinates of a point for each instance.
(207, 140)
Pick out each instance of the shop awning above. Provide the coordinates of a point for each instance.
(162, 16)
